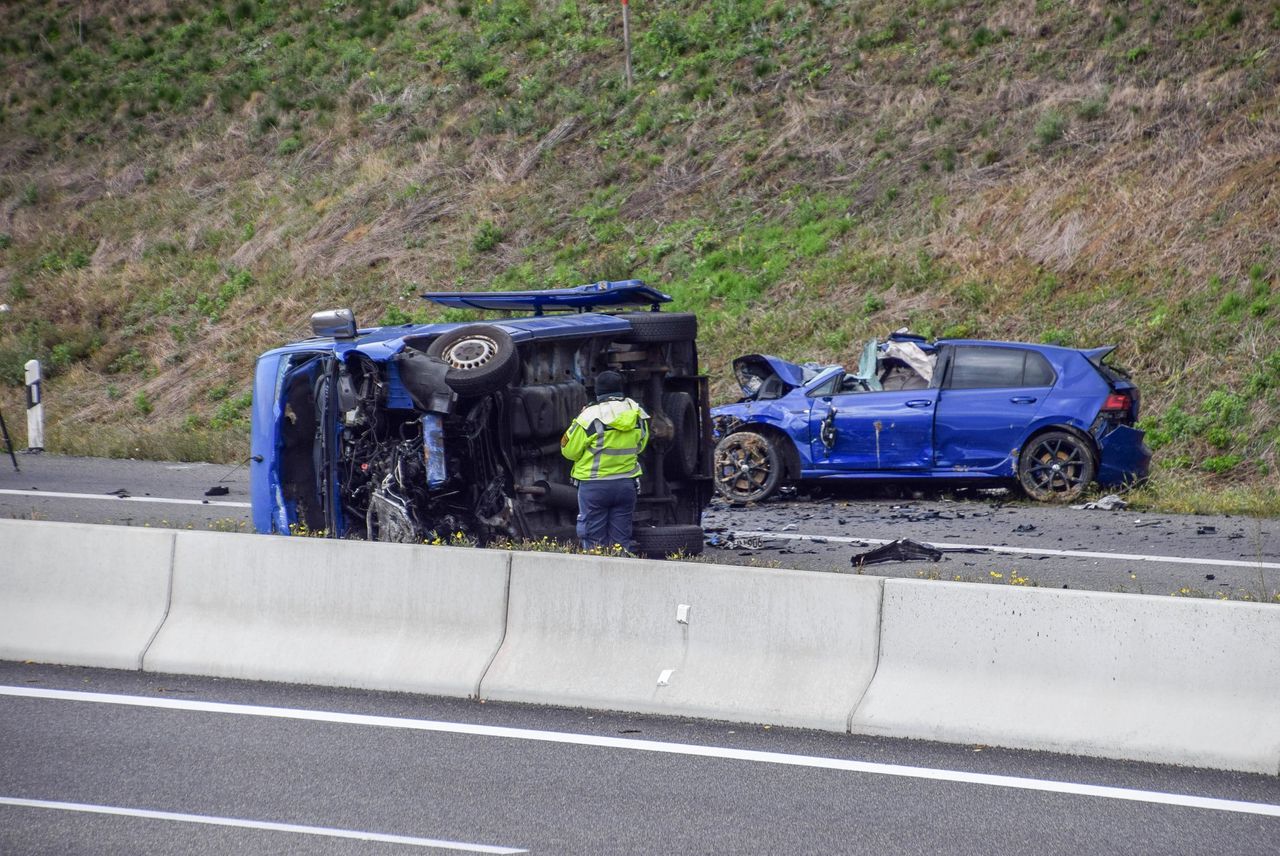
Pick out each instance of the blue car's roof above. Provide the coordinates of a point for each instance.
(626, 292)
(1032, 345)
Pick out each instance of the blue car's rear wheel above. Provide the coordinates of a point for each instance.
(748, 467)
(1056, 467)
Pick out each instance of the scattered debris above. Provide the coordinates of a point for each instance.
(902, 550)
(1025, 527)
(1206, 530)
(120, 492)
(730, 541)
(1140, 523)
(218, 490)
(1110, 502)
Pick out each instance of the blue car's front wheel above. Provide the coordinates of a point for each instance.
(748, 467)
(1056, 466)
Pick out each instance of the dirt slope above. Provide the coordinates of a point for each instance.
(182, 183)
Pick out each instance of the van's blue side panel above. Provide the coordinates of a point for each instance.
(264, 439)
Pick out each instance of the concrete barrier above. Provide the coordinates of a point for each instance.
(1159, 679)
(1147, 678)
(337, 613)
(742, 644)
(81, 595)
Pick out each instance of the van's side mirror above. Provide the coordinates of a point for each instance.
(338, 323)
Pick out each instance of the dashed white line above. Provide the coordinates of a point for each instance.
(1104, 792)
(110, 497)
(269, 826)
(1026, 551)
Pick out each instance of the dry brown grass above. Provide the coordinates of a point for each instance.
(1167, 181)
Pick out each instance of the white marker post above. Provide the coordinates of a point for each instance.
(35, 408)
(626, 39)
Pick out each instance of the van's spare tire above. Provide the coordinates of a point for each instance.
(481, 358)
(660, 327)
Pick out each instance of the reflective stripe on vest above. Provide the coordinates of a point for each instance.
(598, 451)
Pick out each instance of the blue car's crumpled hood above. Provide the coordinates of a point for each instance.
(753, 370)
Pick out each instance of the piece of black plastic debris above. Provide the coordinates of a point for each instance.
(120, 492)
(902, 550)
(1206, 530)
(1209, 576)
(218, 490)
(1025, 527)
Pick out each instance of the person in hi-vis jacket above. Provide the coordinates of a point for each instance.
(604, 442)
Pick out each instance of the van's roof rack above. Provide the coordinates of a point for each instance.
(583, 298)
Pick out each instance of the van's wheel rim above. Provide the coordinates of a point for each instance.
(1058, 467)
(471, 353)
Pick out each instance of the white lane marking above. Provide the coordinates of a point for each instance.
(110, 497)
(1032, 551)
(326, 831)
(655, 746)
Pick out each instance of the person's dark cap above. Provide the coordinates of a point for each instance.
(608, 385)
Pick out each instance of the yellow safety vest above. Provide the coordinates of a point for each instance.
(606, 439)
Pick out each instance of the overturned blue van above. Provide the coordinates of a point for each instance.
(417, 432)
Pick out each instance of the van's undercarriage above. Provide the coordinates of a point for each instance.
(400, 450)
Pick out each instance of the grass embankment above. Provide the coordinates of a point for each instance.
(183, 183)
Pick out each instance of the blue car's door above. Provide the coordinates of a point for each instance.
(869, 431)
(990, 396)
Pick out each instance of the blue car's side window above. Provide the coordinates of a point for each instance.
(1037, 371)
(996, 368)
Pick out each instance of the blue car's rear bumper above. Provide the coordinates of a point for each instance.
(1125, 458)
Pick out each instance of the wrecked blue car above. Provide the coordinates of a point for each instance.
(419, 432)
(1052, 419)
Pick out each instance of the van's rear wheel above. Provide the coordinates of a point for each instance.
(481, 358)
(661, 541)
(1056, 467)
(681, 460)
(660, 327)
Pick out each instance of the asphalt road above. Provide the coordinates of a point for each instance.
(1027, 543)
(519, 778)
(1118, 551)
(125, 492)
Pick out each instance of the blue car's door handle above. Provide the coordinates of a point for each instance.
(919, 402)
(1023, 399)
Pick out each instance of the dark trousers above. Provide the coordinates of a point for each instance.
(604, 512)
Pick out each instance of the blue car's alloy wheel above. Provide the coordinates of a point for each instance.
(748, 467)
(1056, 467)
